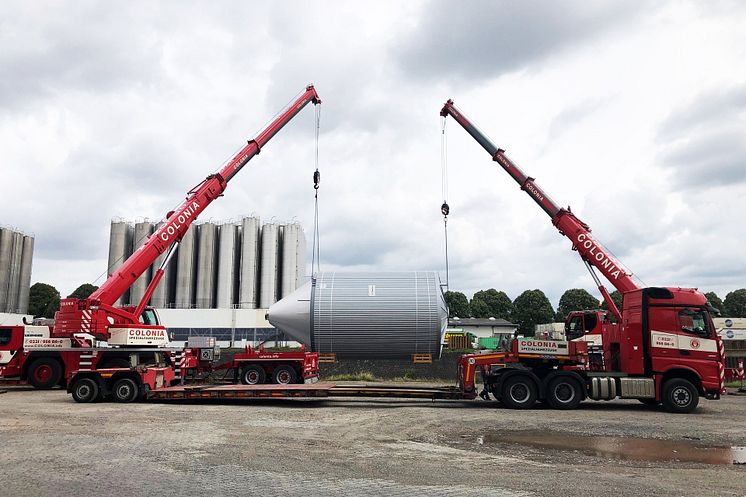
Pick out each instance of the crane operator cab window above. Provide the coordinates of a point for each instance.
(149, 317)
(574, 328)
(695, 322)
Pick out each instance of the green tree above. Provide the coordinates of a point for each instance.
(83, 291)
(530, 308)
(715, 301)
(735, 304)
(43, 300)
(458, 304)
(491, 304)
(616, 297)
(575, 299)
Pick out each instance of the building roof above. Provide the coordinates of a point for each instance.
(481, 322)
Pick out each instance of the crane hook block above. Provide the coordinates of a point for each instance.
(445, 209)
(316, 179)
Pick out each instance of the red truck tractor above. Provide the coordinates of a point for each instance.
(92, 334)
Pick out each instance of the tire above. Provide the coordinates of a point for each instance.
(284, 375)
(44, 373)
(564, 392)
(253, 374)
(519, 392)
(680, 396)
(125, 390)
(114, 362)
(85, 390)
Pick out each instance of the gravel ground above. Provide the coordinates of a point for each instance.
(53, 446)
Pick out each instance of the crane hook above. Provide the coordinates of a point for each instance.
(445, 209)
(316, 179)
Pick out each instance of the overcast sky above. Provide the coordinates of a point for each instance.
(633, 113)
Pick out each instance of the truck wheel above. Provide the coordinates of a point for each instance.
(253, 375)
(519, 392)
(284, 375)
(44, 373)
(85, 390)
(125, 390)
(564, 393)
(680, 396)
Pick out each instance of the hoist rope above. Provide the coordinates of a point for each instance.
(316, 256)
(444, 208)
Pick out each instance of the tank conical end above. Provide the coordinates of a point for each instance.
(292, 315)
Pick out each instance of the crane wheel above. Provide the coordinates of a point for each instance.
(284, 375)
(519, 392)
(44, 373)
(680, 396)
(253, 374)
(85, 390)
(564, 393)
(125, 390)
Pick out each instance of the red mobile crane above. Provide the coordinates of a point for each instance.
(46, 357)
(662, 348)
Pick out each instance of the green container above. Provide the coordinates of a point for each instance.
(489, 343)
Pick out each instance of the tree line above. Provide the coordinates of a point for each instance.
(44, 299)
(532, 307)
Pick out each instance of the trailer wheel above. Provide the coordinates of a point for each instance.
(125, 390)
(564, 393)
(519, 392)
(253, 374)
(44, 373)
(85, 390)
(284, 375)
(680, 396)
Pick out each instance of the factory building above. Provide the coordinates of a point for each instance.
(220, 278)
(16, 255)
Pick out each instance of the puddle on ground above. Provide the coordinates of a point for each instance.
(639, 449)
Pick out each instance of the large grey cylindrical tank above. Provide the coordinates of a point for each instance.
(184, 286)
(366, 315)
(163, 291)
(226, 266)
(143, 230)
(27, 258)
(205, 292)
(293, 257)
(6, 254)
(249, 274)
(120, 247)
(15, 272)
(269, 266)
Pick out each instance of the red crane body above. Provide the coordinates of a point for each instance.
(96, 314)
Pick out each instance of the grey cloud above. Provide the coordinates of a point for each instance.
(483, 39)
(714, 107)
(708, 160)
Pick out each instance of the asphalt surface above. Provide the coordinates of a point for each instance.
(53, 446)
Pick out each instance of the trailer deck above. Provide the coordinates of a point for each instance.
(311, 390)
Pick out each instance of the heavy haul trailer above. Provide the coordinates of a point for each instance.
(661, 347)
(92, 332)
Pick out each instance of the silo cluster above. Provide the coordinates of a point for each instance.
(16, 255)
(217, 265)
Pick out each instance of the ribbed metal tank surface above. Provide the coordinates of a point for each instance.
(204, 297)
(185, 268)
(226, 266)
(366, 315)
(269, 266)
(6, 253)
(249, 274)
(15, 272)
(120, 247)
(27, 258)
(293, 258)
(143, 230)
(162, 295)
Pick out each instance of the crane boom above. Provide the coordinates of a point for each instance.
(579, 233)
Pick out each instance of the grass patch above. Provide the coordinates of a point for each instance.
(362, 376)
(733, 384)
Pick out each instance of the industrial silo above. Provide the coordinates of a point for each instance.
(6, 249)
(143, 230)
(269, 266)
(14, 283)
(185, 269)
(250, 257)
(293, 258)
(205, 290)
(162, 295)
(27, 257)
(366, 315)
(226, 266)
(120, 248)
